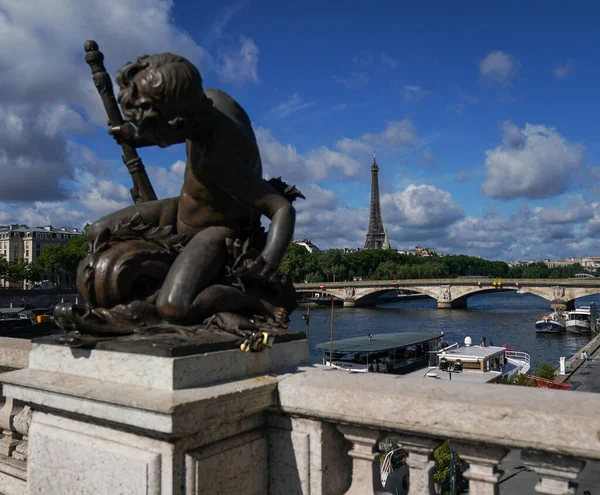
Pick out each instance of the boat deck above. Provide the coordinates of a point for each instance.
(434, 373)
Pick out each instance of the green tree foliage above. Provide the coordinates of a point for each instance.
(62, 258)
(3, 268)
(442, 469)
(545, 370)
(386, 264)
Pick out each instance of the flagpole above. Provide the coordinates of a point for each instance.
(331, 336)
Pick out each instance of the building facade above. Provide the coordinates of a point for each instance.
(21, 242)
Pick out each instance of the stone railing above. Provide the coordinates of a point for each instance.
(105, 422)
(15, 418)
(556, 431)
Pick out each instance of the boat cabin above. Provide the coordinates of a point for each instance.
(472, 359)
(397, 353)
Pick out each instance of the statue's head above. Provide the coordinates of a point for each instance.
(159, 93)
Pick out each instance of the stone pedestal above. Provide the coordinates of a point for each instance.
(109, 422)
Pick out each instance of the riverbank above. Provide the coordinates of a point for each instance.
(585, 375)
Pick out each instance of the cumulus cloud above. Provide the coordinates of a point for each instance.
(284, 159)
(534, 162)
(397, 135)
(167, 181)
(422, 206)
(499, 67)
(575, 210)
(47, 93)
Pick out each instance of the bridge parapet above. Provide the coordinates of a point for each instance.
(454, 293)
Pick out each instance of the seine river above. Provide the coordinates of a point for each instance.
(502, 318)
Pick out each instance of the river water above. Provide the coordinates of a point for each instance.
(502, 318)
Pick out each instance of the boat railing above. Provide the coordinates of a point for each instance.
(521, 356)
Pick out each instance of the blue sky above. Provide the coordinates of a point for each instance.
(482, 115)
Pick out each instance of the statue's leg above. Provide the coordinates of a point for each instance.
(161, 212)
(187, 296)
(194, 269)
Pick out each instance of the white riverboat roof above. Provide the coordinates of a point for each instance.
(470, 376)
(472, 352)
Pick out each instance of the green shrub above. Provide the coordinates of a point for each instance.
(545, 370)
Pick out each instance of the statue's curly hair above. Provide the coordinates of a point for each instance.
(166, 78)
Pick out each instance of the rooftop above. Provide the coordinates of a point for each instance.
(379, 342)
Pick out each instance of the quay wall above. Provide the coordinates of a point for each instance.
(38, 298)
(574, 362)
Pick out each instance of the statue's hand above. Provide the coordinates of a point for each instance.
(259, 269)
(125, 133)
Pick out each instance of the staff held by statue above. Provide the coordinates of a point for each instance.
(142, 188)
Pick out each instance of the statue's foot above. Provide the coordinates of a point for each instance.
(234, 323)
(275, 312)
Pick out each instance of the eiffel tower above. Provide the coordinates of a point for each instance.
(376, 234)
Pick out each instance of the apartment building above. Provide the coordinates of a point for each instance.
(21, 242)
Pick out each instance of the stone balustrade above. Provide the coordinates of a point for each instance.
(556, 431)
(312, 430)
(15, 418)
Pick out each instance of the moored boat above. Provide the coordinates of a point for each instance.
(476, 364)
(582, 320)
(397, 353)
(553, 323)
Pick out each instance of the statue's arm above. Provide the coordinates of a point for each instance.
(261, 197)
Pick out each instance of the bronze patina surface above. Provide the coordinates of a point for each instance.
(200, 262)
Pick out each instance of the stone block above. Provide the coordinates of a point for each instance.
(67, 456)
(167, 373)
(14, 353)
(235, 465)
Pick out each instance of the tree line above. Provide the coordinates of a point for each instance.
(384, 264)
(324, 266)
(60, 259)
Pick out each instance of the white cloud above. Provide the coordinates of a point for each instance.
(574, 211)
(413, 93)
(421, 207)
(562, 71)
(241, 66)
(499, 67)
(105, 198)
(534, 162)
(397, 135)
(280, 159)
(293, 104)
(167, 182)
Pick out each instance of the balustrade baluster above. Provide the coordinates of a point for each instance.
(366, 473)
(420, 462)
(10, 437)
(557, 473)
(483, 473)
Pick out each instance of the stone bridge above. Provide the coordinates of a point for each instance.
(454, 292)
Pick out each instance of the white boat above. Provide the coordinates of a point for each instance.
(582, 320)
(553, 323)
(475, 364)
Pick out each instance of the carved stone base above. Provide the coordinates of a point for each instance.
(109, 421)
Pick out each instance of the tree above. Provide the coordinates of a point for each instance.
(294, 263)
(3, 268)
(545, 370)
(17, 271)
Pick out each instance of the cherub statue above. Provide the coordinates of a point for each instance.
(202, 254)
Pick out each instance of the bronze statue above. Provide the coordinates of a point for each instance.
(200, 260)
